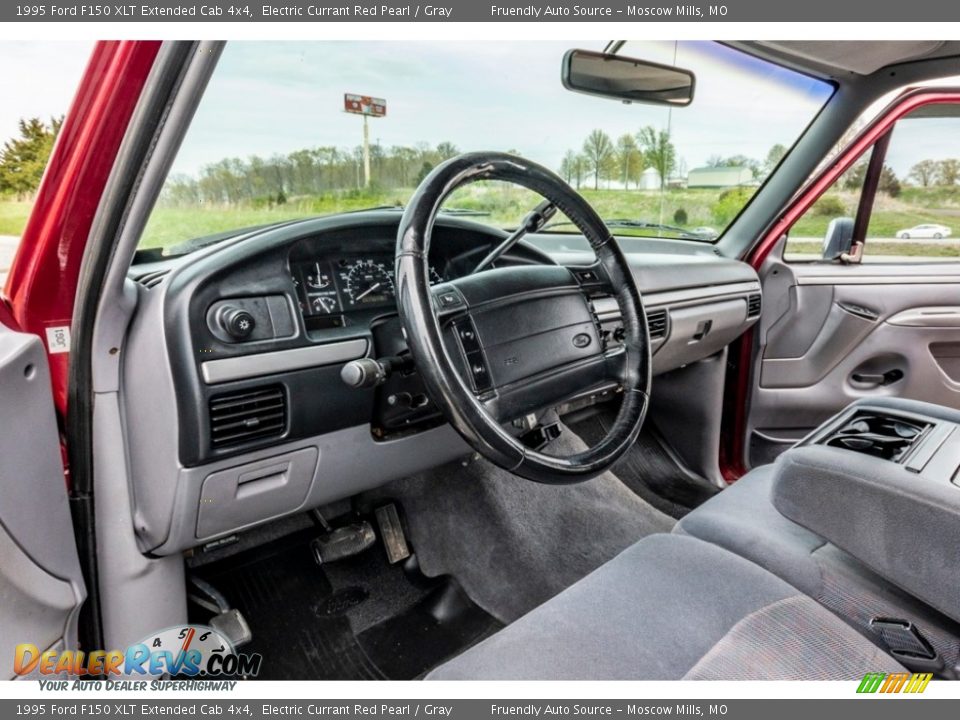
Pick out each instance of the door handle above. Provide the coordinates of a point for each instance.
(877, 379)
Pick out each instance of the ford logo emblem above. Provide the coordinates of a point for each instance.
(581, 340)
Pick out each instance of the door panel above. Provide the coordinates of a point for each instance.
(41, 587)
(831, 334)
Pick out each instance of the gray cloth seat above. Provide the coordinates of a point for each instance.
(743, 520)
(669, 608)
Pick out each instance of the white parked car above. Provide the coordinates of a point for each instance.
(924, 231)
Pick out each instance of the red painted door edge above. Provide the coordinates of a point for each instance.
(42, 282)
(733, 442)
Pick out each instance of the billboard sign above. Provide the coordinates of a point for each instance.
(364, 105)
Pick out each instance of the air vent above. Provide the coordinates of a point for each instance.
(657, 323)
(754, 305)
(152, 279)
(240, 417)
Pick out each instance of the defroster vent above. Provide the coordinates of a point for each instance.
(245, 415)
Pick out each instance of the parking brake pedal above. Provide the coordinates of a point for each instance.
(229, 622)
(391, 531)
(343, 542)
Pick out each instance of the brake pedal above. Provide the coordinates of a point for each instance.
(343, 542)
(391, 531)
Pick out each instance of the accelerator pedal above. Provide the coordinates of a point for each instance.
(343, 542)
(394, 540)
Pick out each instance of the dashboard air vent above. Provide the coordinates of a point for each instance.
(657, 323)
(246, 415)
(754, 305)
(152, 279)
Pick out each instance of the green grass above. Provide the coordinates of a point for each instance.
(505, 205)
(914, 206)
(13, 216)
(880, 248)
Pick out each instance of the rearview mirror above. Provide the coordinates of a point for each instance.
(627, 79)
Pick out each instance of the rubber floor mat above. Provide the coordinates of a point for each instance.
(357, 619)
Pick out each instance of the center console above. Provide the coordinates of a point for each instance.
(881, 480)
(899, 432)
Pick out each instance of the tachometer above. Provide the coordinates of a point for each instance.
(367, 282)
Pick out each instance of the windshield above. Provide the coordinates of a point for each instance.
(294, 130)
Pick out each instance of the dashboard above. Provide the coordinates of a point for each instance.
(236, 349)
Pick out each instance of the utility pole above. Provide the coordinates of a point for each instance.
(366, 152)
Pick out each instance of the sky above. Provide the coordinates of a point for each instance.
(277, 97)
(38, 80)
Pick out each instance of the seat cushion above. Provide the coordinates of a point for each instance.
(668, 608)
(743, 520)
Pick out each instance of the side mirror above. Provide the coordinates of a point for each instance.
(838, 241)
(627, 79)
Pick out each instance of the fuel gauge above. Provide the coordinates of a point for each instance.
(324, 304)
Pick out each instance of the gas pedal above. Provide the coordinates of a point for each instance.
(391, 530)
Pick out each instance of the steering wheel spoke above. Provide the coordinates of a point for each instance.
(497, 345)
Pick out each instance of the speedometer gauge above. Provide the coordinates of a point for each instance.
(367, 282)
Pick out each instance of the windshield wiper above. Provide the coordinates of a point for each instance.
(632, 224)
(535, 221)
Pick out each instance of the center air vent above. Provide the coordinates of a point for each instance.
(754, 305)
(246, 415)
(657, 323)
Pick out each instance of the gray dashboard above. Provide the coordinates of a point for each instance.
(296, 437)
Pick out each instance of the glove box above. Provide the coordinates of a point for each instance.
(254, 492)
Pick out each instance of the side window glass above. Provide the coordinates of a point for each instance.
(915, 213)
(805, 241)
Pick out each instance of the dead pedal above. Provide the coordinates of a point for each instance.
(343, 542)
(391, 530)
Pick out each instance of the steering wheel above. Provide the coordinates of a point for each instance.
(498, 345)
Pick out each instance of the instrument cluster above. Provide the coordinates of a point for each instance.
(332, 287)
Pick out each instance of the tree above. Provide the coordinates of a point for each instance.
(597, 150)
(23, 159)
(948, 172)
(573, 167)
(629, 160)
(658, 151)
(854, 178)
(446, 150)
(774, 156)
(425, 169)
(924, 172)
(889, 183)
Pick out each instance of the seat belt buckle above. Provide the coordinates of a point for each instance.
(906, 644)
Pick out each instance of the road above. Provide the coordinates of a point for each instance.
(8, 246)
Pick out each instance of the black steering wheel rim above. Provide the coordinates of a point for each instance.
(424, 335)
